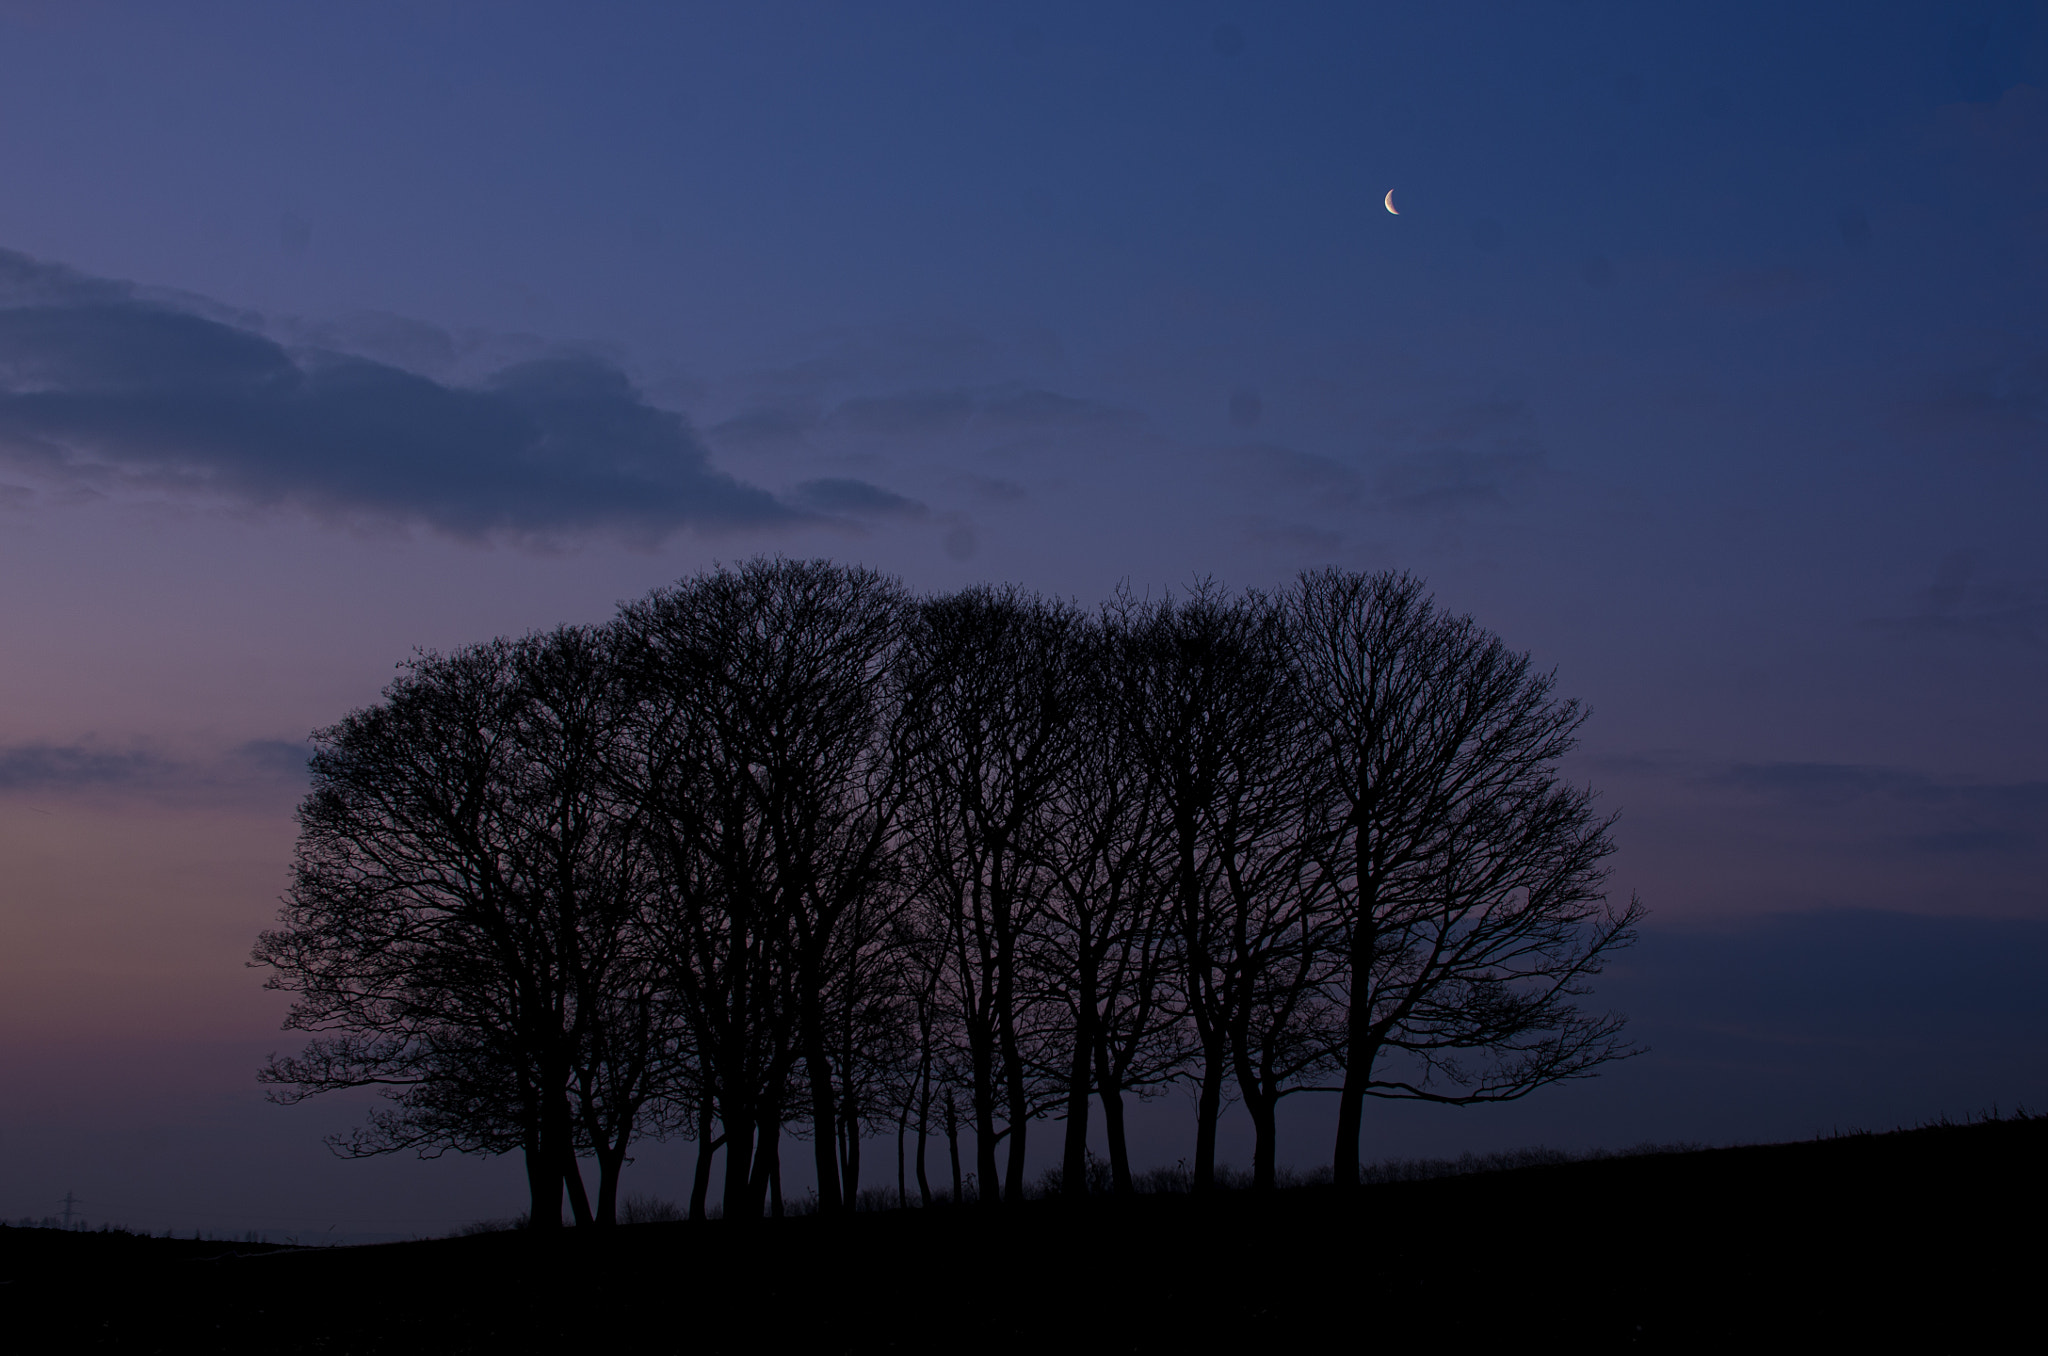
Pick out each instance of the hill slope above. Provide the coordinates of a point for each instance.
(1927, 1236)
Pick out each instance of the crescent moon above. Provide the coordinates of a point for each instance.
(1390, 203)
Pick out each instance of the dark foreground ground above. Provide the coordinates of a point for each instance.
(1927, 1239)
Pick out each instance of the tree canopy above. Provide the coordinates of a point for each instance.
(784, 850)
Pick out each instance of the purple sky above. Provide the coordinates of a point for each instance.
(1707, 360)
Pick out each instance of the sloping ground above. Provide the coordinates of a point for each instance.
(1929, 1238)
(42, 1253)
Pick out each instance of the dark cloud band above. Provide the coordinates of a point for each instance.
(102, 381)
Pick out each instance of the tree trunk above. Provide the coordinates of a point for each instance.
(1004, 1012)
(924, 1183)
(953, 1148)
(572, 1177)
(1113, 1124)
(824, 1128)
(740, 1201)
(767, 1179)
(1208, 1110)
(988, 1184)
(902, 1179)
(1019, 1111)
(1361, 1050)
(700, 1183)
(924, 1119)
(558, 1139)
(1013, 1176)
(543, 1185)
(849, 1179)
(1074, 1159)
(1209, 1106)
(1350, 1124)
(1260, 1103)
(611, 1161)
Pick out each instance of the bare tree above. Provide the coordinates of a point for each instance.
(994, 685)
(929, 1081)
(462, 916)
(1467, 878)
(1217, 722)
(1105, 935)
(781, 839)
(581, 840)
(871, 1026)
(761, 773)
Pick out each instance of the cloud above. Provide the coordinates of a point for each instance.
(1837, 784)
(992, 488)
(1324, 479)
(286, 758)
(1863, 975)
(765, 426)
(905, 414)
(1039, 409)
(1960, 603)
(857, 498)
(1904, 809)
(261, 766)
(103, 383)
(918, 414)
(1295, 538)
(2011, 127)
(1822, 783)
(1453, 479)
(73, 767)
(1997, 408)
(1455, 456)
(1843, 783)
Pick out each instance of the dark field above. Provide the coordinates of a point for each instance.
(1929, 1239)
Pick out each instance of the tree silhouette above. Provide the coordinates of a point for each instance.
(462, 916)
(1465, 876)
(1218, 726)
(782, 852)
(1104, 943)
(761, 774)
(995, 681)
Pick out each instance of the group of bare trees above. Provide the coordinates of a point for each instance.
(785, 852)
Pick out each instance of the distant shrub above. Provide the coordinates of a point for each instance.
(1101, 1181)
(872, 1199)
(639, 1209)
(1172, 1181)
(494, 1226)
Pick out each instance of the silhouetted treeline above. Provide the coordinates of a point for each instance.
(784, 856)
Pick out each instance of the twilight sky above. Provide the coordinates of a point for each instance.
(1707, 359)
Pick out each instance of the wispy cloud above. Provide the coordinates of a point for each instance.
(73, 767)
(1961, 602)
(1309, 474)
(915, 415)
(1903, 808)
(1997, 408)
(856, 498)
(45, 769)
(1453, 479)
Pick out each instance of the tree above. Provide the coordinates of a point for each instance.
(994, 684)
(1466, 878)
(760, 771)
(1216, 720)
(581, 844)
(1104, 937)
(463, 916)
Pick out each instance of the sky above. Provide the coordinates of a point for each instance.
(1706, 360)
